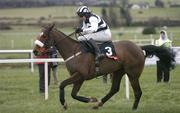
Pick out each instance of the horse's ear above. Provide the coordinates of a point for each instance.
(51, 26)
(48, 28)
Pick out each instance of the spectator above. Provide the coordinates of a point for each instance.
(54, 65)
(42, 73)
(162, 71)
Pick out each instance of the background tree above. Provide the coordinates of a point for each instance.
(113, 17)
(124, 12)
(105, 15)
(159, 3)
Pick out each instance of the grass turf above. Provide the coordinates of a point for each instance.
(19, 94)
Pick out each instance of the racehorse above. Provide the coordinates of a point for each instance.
(81, 66)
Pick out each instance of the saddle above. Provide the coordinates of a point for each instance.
(107, 48)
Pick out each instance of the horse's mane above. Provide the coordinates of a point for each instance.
(67, 36)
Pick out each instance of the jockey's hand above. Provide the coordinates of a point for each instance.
(78, 30)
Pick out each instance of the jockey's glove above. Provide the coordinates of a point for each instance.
(78, 30)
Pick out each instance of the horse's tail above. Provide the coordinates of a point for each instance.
(165, 55)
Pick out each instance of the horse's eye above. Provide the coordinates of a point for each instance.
(43, 36)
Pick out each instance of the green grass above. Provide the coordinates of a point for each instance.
(69, 12)
(35, 13)
(24, 36)
(19, 94)
(36, 16)
(38, 12)
(152, 2)
(163, 13)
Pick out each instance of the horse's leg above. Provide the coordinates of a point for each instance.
(72, 79)
(75, 90)
(116, 79)
(134, 80)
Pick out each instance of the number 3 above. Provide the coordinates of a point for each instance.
(109, 51)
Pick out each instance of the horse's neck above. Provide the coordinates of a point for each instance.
(65, 45)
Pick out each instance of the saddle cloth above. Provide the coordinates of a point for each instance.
(107, 48)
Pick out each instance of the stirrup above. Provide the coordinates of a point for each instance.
(96, 62)
(97, 70)
(100, 56)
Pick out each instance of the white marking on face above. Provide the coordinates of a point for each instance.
(42, 33)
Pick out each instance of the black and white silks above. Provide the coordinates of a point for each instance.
(96, 28)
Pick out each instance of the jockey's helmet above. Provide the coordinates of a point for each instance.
(83, 11)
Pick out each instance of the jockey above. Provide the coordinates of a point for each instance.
(94, 30)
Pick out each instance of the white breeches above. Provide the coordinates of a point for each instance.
(104, 35)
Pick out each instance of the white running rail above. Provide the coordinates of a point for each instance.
(32, 61)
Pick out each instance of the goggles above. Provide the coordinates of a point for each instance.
(80, 14)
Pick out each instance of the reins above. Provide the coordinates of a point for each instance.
(67, 36)
(86, 40)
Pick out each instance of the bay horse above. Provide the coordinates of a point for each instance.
(81, 66)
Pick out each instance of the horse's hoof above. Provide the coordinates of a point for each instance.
(65, 106)
(134, 109)
(93, 99)
(99, 104)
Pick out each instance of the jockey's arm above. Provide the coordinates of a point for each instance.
(93, 26)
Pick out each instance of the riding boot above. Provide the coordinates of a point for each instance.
(98, 54)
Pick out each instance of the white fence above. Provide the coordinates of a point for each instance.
(32, 61)
(30, 52)
(142, 41)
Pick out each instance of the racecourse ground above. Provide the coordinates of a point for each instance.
(19, 94)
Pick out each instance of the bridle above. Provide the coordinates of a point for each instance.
(45, 45)
(47, 42)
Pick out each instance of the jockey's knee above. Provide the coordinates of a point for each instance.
(82, 38)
